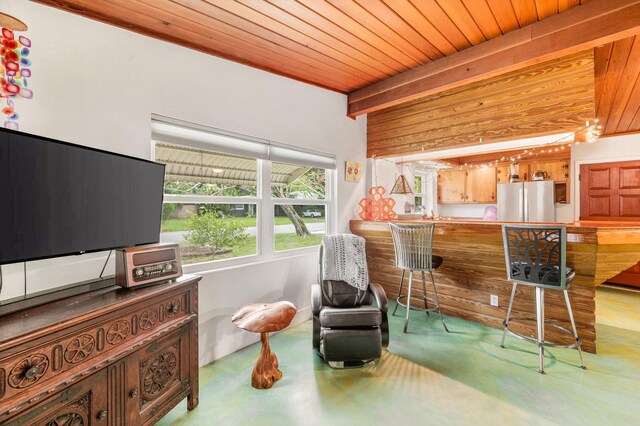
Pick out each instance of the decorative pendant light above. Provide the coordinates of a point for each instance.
(402, 184)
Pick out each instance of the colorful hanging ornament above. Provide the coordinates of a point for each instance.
(377, 207)
(14, 71)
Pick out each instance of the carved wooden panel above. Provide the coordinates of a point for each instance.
(62, 354)
(43, 380)
(2, 382)
(116, 389)
(83, 404)
(28, 371)
(163, 372)
(158, 372)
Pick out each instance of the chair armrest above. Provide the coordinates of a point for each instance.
(316, 299)
(379, 295)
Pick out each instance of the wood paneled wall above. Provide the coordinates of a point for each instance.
(553, 97)
(474, 269)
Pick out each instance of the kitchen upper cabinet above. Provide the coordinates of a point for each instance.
(451, 186)
(557, 171)
(481, 186)
(502, 174)
(476, 186)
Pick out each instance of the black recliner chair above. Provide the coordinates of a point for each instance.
(348, 330)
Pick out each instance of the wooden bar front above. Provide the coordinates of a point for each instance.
(474, 269)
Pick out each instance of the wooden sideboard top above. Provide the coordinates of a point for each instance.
(75, 309)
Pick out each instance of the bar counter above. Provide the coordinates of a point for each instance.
(474, 269)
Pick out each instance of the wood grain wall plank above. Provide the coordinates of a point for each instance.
(474, 269)
(547, 98)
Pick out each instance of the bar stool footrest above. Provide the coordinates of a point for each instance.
(415, 308)
(574, 345)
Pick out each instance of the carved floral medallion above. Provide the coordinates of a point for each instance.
(158, 373)
(118, 331)
(68, 419)
(28, 371)
(79, 348)
(148, 318)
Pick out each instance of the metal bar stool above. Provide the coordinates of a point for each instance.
(412, 244)
(536, 256)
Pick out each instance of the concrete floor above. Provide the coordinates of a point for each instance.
(429, 377)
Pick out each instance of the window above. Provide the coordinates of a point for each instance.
(417, 189)
(299, 194)
(423, 187)
(232, 198)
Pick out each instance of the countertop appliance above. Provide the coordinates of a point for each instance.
(539, 175)
(526, 202)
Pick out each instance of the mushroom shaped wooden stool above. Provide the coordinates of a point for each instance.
(263, 318)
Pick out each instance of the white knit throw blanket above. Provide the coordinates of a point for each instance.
(344, 259)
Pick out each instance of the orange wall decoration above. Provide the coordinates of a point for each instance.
(377, 207)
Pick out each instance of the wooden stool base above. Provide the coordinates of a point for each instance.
(265, 373)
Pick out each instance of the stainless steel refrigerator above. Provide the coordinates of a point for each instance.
(526, 202)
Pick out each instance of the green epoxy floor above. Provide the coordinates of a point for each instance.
(430, 377)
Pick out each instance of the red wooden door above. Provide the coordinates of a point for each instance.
(610, 191)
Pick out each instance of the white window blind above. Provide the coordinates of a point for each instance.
(283, 154)
(208, 138)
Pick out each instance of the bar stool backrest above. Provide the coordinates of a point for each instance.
(412, 244)
(536, 255)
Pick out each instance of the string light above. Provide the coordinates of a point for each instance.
(592, 133)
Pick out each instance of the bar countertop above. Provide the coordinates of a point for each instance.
(474, 268)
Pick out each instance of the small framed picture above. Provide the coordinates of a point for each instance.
(352, 171)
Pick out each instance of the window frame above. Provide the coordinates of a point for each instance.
(265, 218)
(329, 178)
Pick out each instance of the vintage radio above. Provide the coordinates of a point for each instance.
(136, 266)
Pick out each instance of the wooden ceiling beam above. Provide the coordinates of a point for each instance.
(589, 25)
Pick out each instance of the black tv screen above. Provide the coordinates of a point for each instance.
(59, 199)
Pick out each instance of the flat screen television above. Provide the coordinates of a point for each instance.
(59, 199)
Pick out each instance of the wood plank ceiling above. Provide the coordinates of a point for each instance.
(348, 45)
(617, 84)
(342, 45)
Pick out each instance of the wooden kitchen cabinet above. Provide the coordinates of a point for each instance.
(108, 357)
(481, 186)
(451, 186)
(475, 186)
(557, 171)
(502, 174)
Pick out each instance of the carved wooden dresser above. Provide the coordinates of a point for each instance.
(108, 357)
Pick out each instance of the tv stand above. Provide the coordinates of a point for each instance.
(108, 357)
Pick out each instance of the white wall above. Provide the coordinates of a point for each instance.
(384, 172)
(463, 210)
(98, 85)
